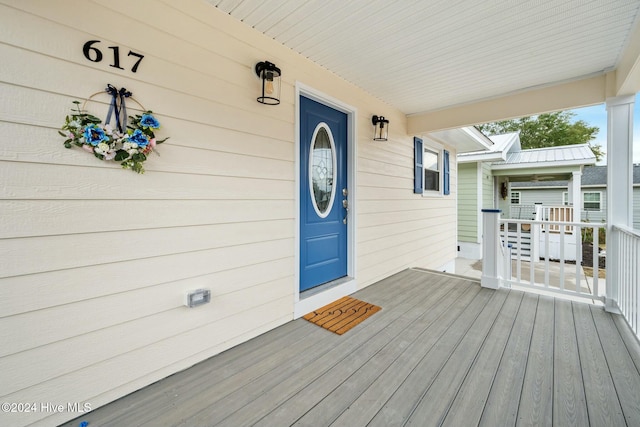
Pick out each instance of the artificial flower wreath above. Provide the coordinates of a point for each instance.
(127, 143)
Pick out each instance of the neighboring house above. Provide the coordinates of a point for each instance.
(477, 190)
(593, 194)
(487, 177)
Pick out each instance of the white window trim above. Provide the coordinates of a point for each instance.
(429, 145)
(599, 201)
(519, 193)
(565, 198)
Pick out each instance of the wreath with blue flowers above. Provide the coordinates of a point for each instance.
(128, 143)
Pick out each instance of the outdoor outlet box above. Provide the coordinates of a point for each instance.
(197, 297)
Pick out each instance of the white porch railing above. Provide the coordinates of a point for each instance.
(625, 270)
(556, 272)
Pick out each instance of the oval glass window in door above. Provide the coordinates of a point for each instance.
(322, 170)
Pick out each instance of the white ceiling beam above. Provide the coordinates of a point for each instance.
(574, 94)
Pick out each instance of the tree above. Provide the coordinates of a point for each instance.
(548, 130)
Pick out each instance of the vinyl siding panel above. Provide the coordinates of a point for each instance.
(553, 197)
(95, 261)
(468, 204)
(487, 186)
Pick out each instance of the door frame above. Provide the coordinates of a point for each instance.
(349, 285)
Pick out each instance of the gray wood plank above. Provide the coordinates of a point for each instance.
(367, 404)
(306, 366)
(337, 400)
(468, 405)
(436, 402)
(501, 407)
(442, 351)
(307, 393)
(602, 399)
(156, 398)
(400, 406)
(536, 399)
(569, 401)
(631, 341)
(623, 370)
(220, 375)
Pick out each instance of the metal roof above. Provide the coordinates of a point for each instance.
(579, 154)
(424, 56)
(592, 176)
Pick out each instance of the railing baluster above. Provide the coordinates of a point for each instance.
(562, 229)
(519, 251)
(578, 237)
(625, 274)
(596, 260)
(546, 255)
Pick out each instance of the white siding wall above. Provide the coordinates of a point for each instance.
(95, 260)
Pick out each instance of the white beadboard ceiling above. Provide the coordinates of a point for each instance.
(425, 55)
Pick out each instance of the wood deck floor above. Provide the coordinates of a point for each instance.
(443, 351)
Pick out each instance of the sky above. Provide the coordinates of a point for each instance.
(597, 116)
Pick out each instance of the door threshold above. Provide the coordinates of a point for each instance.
(324, 287)
(324, 294)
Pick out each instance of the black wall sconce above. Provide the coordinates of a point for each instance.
(270, 83)
(380, 131)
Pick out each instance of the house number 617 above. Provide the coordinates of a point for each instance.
(94, 54)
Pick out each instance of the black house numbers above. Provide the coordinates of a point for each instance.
(92, 52)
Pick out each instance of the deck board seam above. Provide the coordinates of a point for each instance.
(475, 359)
(407, 300)
(417, 319)
(580, 356)
(425, 391)
(420, 361)
(430, 297)
(535, 317)
(390, 364)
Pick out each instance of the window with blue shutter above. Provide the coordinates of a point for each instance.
(445, 176)
(417, 165)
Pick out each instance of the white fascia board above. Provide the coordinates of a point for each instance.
(536, 165)
(483, 140)
(485, 156)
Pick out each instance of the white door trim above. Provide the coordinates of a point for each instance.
(349, 286)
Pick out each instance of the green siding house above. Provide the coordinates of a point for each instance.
(489, 178)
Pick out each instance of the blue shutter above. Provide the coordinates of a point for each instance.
(417, 165)
(445, 178)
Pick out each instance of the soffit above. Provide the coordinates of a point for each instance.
(422, 56)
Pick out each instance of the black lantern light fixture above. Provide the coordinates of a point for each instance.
(380, 128)
(270, 83)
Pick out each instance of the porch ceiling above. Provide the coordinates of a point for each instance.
(422, 57)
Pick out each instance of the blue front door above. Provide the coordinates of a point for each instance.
(323, 194)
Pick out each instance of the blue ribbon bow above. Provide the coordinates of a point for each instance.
(118, 107)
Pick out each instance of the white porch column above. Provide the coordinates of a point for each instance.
(619, 182)
(491, 248)
(575, 194)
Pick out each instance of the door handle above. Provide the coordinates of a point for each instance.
(345, 205)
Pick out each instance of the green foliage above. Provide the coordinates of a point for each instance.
(547, 130)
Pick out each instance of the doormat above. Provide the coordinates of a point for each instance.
(342, 315)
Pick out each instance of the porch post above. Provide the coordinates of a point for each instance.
(619, 184)
(575, 194)
(491, 248)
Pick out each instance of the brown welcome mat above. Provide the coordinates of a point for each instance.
(342, 315)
